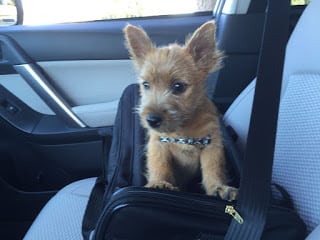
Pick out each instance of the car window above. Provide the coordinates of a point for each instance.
(8, 13)
(300, 2)
(38, 12)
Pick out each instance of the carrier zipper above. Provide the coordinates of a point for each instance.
(233, 212)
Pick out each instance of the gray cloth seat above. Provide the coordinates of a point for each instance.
(296, 163)
(61, 218)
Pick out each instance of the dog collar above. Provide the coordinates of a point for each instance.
(190, 141)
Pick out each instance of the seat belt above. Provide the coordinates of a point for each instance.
(255, 183)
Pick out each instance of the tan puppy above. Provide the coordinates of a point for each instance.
(182, 122)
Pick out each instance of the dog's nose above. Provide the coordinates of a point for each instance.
(154, 120)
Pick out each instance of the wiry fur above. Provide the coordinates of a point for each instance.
(189, 114)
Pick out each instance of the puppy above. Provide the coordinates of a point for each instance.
(181, 121)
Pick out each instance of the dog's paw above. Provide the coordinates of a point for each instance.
(226, 192)
(161, 185)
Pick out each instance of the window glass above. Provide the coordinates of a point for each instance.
(8, 13)
(61, 11)
(300, 2)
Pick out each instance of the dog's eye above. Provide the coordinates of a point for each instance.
(178, 88)
(146, 85)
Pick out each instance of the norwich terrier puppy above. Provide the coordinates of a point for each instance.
(182, 123)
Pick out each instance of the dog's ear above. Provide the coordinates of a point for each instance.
(138, 43)
(202, 47)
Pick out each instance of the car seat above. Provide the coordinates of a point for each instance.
(296, 162)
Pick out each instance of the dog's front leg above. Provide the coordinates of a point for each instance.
(160, 173)
(213, 173)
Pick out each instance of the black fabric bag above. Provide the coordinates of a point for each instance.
(120, 208)
(140, 213)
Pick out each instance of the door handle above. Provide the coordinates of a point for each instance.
(32, 73)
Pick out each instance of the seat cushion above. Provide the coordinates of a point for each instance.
(315, 235)
(61, 218)
(296, 160)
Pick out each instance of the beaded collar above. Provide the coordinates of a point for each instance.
(190, 141)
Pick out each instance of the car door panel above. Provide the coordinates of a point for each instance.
(20, 88)
(90, 81)
(93, 87)
(85, 85)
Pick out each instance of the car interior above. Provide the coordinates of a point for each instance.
(60, 86)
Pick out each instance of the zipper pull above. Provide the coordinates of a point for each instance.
(233, 212)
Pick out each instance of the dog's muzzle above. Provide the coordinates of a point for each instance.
(154, 120)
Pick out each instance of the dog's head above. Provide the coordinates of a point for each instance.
(172, 78)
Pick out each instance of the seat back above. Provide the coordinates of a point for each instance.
(297, 151)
